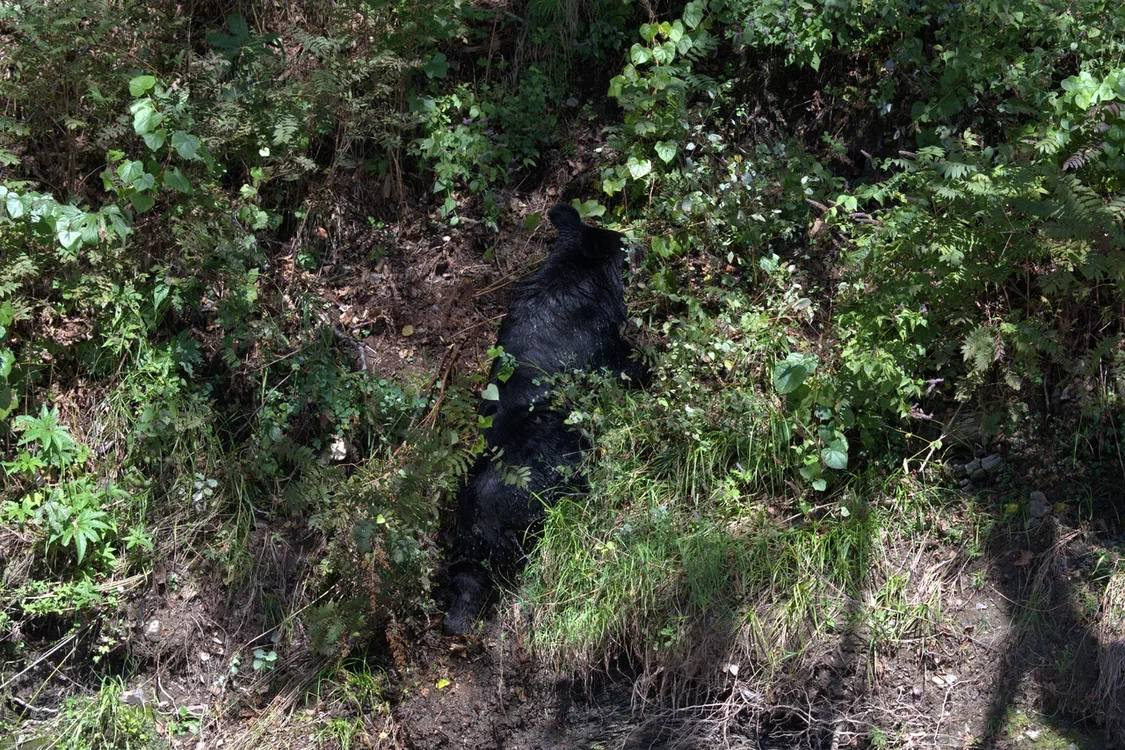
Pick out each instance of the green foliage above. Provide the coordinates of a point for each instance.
(73, 516)
(859, 214)
(264, 660)
(474, 140)
(380, 528)
(965, 262)
(102, 721)
(149, 312)
(51, 441)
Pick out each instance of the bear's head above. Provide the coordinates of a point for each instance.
(582, 241)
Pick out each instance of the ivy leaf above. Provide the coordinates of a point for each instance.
(639, 55)
(139, 85)
(176, 180)
(666, 150)
(613, 185)
(490, 393)
(638, 168)
(14, 206)
(141, 202)
(145, 116)
(68, 238)
(835, 456)
(693, 13)
(589, 208)
(437, 66)
(186, 145)
(155, 139)
(789, 374)
(130, 172)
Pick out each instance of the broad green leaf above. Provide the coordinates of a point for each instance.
(589, 208)
(155, 139)
(638, 168)
(141, 84)
(693, 13)
(811, 471)
(130, 171)
(141, 202)
(666, 150)
(789, 374)
(639, 55)
(8, 401)
(176, 180)
(835, 456)
(186, 145)
(68, 238)
(437, 66)
(14, 206)
(491, 393)
(145, 117)
(612, 185)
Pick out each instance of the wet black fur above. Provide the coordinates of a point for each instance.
(566, 316)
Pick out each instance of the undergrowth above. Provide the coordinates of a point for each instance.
(879, 236)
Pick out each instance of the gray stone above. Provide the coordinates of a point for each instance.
(152, 629)
(972, 467)
(1038, 505)
(136, 697)
(992, 463)
(979, 475)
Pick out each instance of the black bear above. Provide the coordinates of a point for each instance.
(566, 316)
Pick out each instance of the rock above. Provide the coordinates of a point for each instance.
(135, 697)
(1037, 504)
(972, 466)
(992, 463)
(979, 475)
(152, 629)
(966, 484)
(958, 471)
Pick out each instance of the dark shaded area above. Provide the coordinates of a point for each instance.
(1052, 645)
